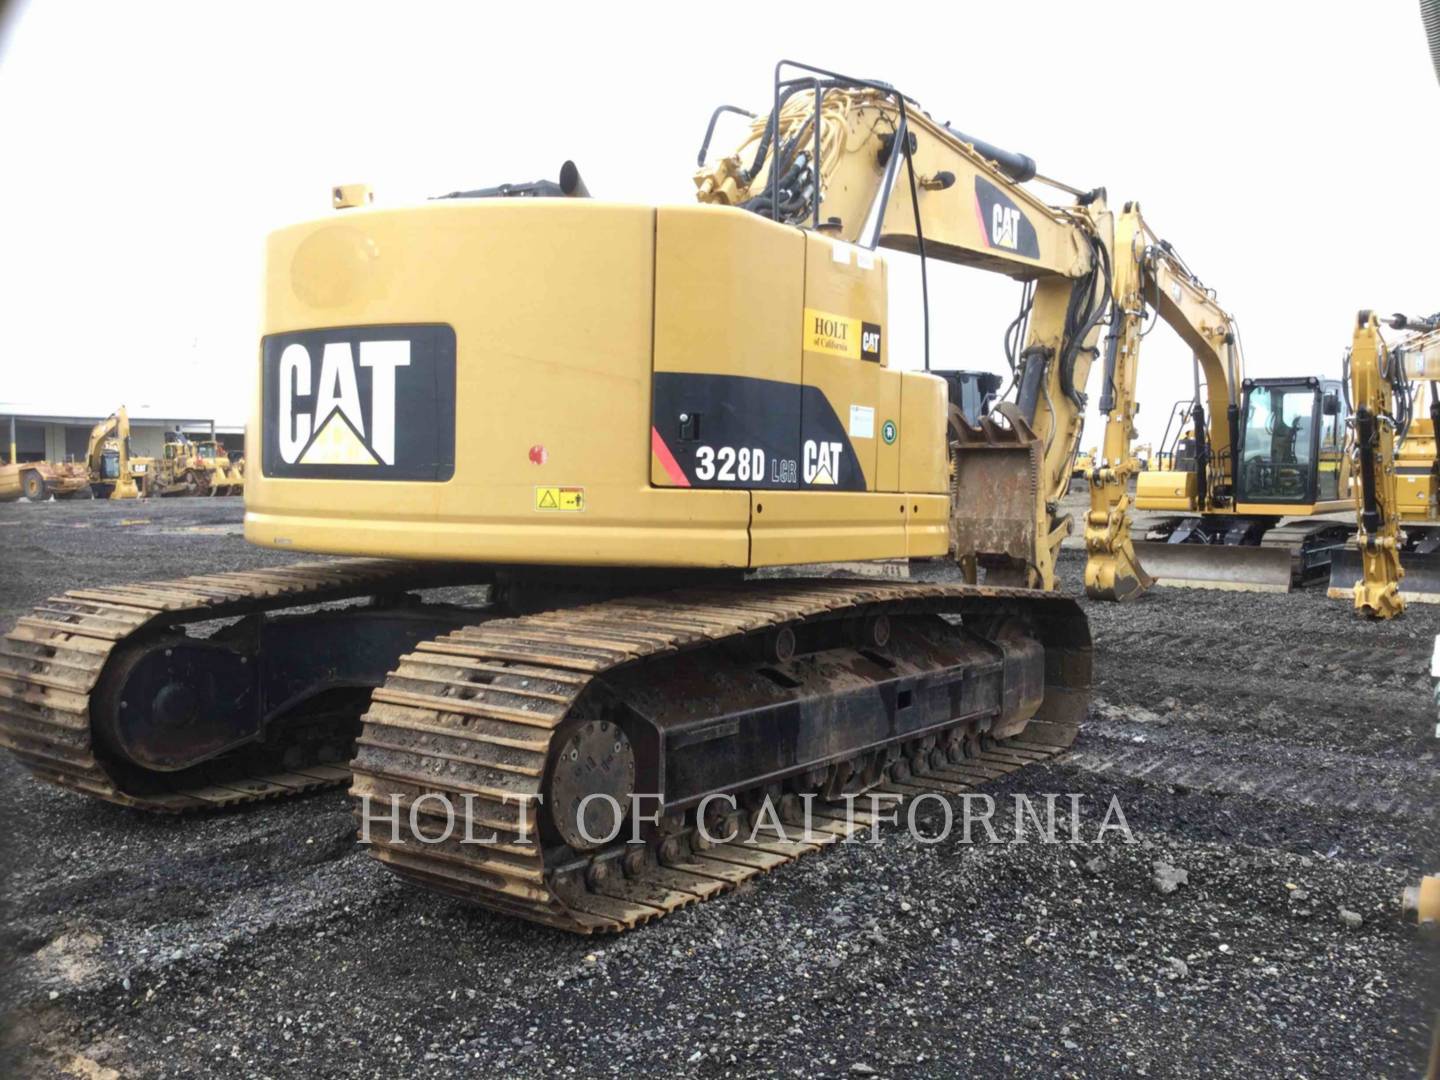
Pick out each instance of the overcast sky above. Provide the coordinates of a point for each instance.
(1286, 149)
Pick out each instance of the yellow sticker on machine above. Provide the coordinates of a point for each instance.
(841, 335)
(827, 332)
(560, 498)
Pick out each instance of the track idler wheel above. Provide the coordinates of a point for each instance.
(169, 703)
(593, 784)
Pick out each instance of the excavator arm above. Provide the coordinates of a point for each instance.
(1377, 593)
(105, 429)
(876, 171)
(1150, 276)
(1399, 530)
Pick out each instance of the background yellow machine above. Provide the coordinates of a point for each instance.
(186, 467)
(1250, 476)
(193, 467)
(114, 472)
(38, 480)
(1396, 556)
(1177, 442)
(617, 417)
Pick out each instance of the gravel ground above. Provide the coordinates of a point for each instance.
(1270, 754)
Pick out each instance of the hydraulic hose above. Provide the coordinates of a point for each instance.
(1366, 440)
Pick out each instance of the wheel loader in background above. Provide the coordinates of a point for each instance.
(1397, 501)
(624, 421)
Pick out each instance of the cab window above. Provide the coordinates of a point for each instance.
(1332, 429)
(1277, 460)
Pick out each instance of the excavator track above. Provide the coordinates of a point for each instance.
(53, 660)
(1311, 544)
(493, 719)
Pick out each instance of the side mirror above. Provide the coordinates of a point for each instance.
(1330, 405)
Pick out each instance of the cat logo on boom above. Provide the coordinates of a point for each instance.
(1002, 221)
(1005, 226)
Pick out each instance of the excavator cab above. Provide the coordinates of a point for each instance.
(1177, 445)
(1291, 442)
(110, 463)
(1289, 462)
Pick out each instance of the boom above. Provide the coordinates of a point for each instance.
(950, 197)
(1396, 501)
(1148, 273)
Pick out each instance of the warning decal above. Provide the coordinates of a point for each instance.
(560, 498)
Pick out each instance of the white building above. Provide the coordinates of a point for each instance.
(59, 429)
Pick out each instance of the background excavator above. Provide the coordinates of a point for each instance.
(114, 472)
(1177, 443)
(439, 417)
(1396, 557)
(187, 466)
(1250, 474)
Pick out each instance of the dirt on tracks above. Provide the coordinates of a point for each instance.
(1270, 754)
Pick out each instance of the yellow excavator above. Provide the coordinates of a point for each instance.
(623, 420)
(1396, 557)
(1251, 476)
(1177, 444)
(114, 472)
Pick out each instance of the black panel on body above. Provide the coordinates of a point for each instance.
(1004, 223)
(743, 432)
(359, 403)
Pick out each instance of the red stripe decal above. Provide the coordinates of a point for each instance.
(667, 460)
(980, 217)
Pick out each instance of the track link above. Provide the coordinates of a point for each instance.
(473, 717)
(53, 658)
(1311, 544)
